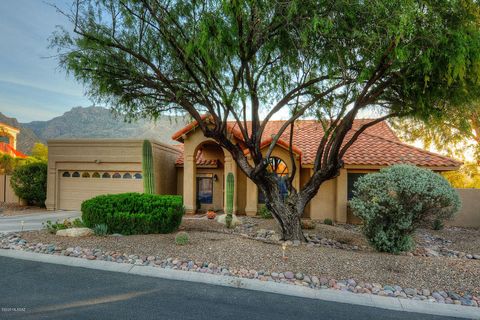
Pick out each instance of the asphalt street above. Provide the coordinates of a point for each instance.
(33, 221)
(33, 290)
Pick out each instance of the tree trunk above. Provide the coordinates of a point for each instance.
(288, 215)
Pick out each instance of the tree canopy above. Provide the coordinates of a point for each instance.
(255, 59)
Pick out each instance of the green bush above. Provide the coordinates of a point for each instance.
(395, 201)
(29, 182)
(265, 213)
(134, 213)
(438, 224)
(181, 238)
(328, 221)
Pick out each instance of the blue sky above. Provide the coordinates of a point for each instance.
(32, 87)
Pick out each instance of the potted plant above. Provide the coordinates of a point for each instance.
(211, 214)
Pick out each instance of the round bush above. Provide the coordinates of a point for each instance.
(29, 182)
(395, 201)
(134, 213)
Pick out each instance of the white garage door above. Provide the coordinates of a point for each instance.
(78, 186)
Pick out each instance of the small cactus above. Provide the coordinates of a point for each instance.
(230, 190)
(147, 168)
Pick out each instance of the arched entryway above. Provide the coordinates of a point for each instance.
(206, 166)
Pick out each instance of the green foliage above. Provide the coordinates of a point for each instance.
(134, 213)
(8, 163)
(40, 151)
(395, 201)
(100, 229)
(53, 227)
(264, 212)
(467, 177)
(438, 224)
(328, 221)
(78, 223)
(29, 182)
(229, 191)
(181, 238)
(147, 167)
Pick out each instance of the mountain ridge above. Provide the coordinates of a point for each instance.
(93, 122)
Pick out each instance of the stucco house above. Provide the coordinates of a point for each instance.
(8, 141)
(196, 167)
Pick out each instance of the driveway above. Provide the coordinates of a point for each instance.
(35, 290)
(33, 221)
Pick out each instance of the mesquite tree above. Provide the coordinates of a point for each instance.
(250, 60)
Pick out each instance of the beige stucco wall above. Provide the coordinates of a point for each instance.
(469, 215)
(6, 191)
(102, 155)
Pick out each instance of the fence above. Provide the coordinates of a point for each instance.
(6, 191)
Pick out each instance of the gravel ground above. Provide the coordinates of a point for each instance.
(467, 240)
(235, 251)
(15, 209)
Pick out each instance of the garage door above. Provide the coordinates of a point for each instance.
(78, 186)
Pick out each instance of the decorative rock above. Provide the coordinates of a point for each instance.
(299, 276)
(410, 291)
(425, 292)
(75, 232)
(288, 275)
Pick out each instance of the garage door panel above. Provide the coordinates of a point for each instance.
(74, 190)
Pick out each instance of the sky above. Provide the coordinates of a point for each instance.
(32, 86)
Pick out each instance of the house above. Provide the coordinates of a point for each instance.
(197, 168)
(8, 144)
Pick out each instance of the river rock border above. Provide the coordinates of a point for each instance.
(13, 241)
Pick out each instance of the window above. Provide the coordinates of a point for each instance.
(76, 174)
(106, 175)
(278, 167)
(85, 175)
(127, 176)
(66, 174)
(205, 189)
(351, 179)
(116, 175)
(138, 175)
(96, 175)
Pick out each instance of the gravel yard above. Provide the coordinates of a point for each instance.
(208, 242)
(15, 209)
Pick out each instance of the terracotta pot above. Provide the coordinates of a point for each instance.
(211, 214)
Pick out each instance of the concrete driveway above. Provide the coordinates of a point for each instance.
(33, 221)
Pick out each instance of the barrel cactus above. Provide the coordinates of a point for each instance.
(147, 168)
(230, 191)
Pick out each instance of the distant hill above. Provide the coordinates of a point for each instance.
(93, 122)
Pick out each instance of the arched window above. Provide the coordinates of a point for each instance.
(106, 175)
(116, 175)
(96, 175)
(278, 167)
(66, 174)
(138, 175)
(76, 174)
(85, 175)
(127, 176)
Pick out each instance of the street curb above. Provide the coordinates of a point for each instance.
(368, 300)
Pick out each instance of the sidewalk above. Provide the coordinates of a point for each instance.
(250, 284)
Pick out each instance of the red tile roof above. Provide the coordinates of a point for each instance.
(8, 149)
(376, 146)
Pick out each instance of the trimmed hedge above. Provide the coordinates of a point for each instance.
(134, 213)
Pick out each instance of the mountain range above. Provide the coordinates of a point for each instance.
(92, 122)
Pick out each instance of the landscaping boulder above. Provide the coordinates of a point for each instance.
(235, 220)
(75, 232)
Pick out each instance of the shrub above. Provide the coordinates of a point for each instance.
(328, 221)
(438, 224)
(100, 229)
(308, 224)
(395, 201)
(181, 238)
(78, 223)
(265, 213)
(134, 213)
(29, 182)
(54, 227)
